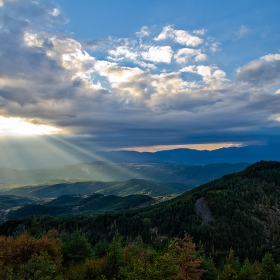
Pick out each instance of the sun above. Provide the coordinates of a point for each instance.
(18, 126)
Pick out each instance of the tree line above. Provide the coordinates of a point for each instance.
(72, 257)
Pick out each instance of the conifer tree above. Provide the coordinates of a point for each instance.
(77, 247)
(269, 269)
(246, 272)
(228, 273)
(189, 263)
(115, 257)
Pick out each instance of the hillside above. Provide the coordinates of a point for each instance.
(8, 201)
(92, 204)
(133, 186)
(244, 208)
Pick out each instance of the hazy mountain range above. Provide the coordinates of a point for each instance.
(33, 156)
(250, 154)
(110, 172)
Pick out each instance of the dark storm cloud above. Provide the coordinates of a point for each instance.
(262, 72)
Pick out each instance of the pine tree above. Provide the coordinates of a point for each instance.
(115, 257)
(246, 272)
(76, 247)
(189, 263)
(228, 273)
(269, 270)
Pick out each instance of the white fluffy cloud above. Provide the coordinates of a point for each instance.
(116, 74)
(186, 54)
(143, 32)
(180, 36)
(158, 54)
(200, 31)
(123, 52)
(55, 12)
(139, 51)
(208, 73)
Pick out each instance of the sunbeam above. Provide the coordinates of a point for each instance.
(56, 152)
(87, 155)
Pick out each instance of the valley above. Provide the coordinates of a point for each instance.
(61, 185)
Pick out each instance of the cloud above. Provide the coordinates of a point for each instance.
(149, 92)
(118, 76)
(124, 52)
(262, 72)
(94, 44)
(158, 54)
(208, 73)
(45, 13)
(143, 32)
(55, 12)
(136, 51)
(244, 31)
(10, 126)
(200, 31)
(186, 54)
(180, 36)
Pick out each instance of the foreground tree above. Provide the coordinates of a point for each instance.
(115, 257)
(26, 257)
(268, 269)
(189, 263)
(246, 272)
(37, 268)
(76, 247)
(228, 273)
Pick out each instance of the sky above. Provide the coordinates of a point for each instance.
(139, 75)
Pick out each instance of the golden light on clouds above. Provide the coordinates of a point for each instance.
(200, 147)
(17, 126)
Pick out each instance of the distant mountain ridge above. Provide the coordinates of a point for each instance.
(110, 172)
(250, 154)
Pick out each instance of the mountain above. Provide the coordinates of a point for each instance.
(250, 154)
(239, 211)
(108, 172)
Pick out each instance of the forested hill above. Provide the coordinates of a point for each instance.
(239, 211)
